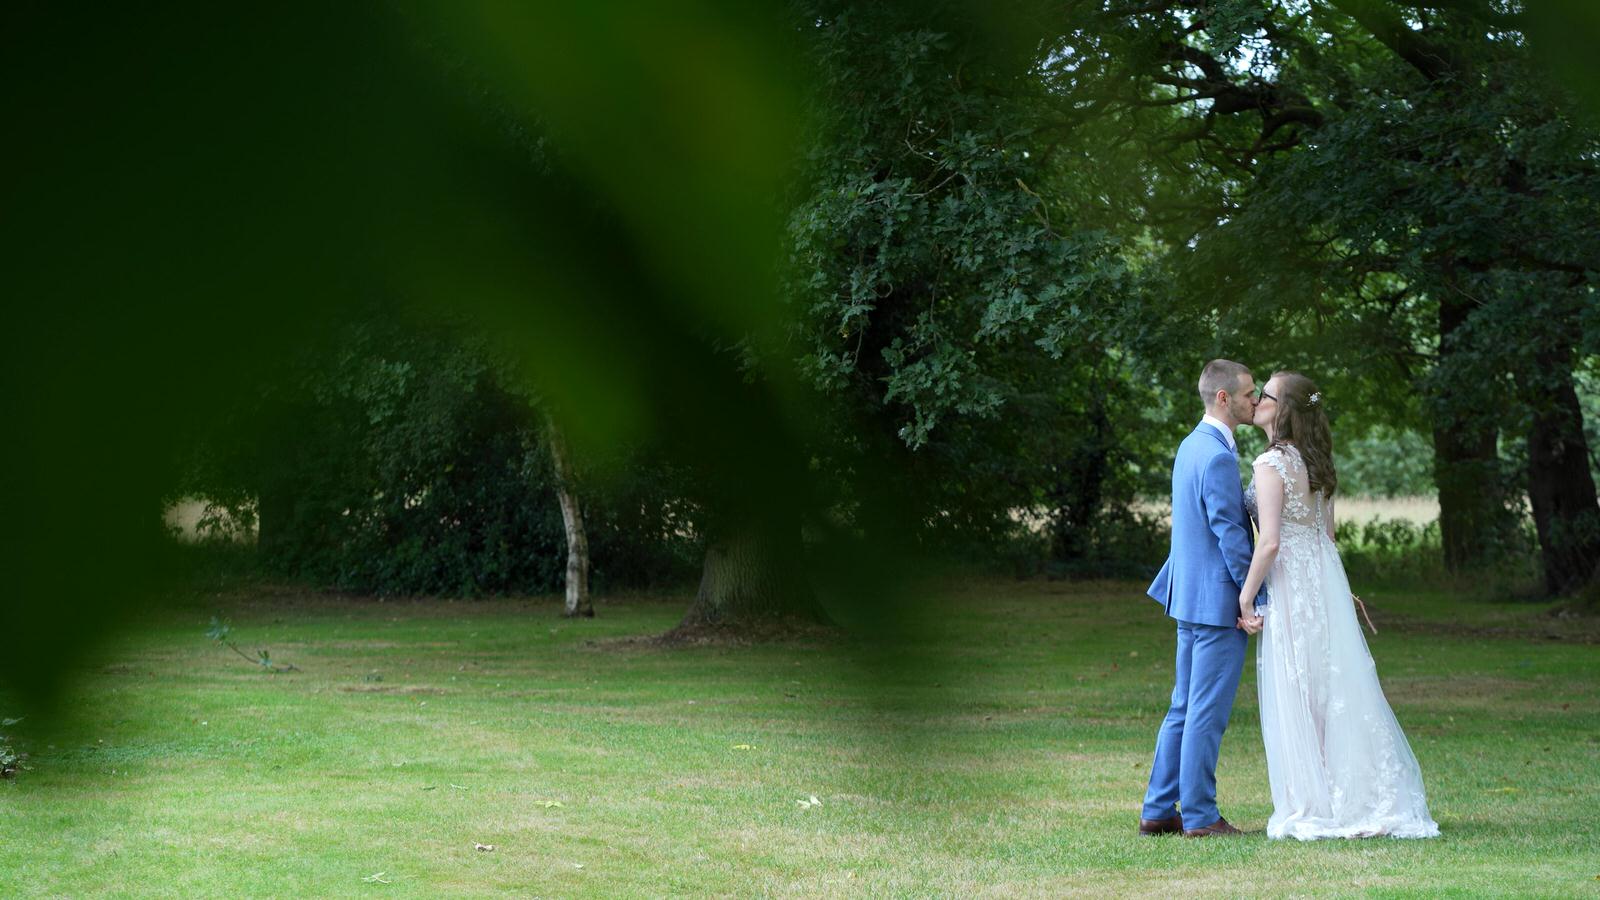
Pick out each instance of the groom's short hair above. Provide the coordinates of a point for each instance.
(1220, 375)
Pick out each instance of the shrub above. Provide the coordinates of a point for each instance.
(398, 461)
(1388, 547)
(1398, 548)
(10, 760)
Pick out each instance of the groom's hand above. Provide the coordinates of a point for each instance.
(1251, 624)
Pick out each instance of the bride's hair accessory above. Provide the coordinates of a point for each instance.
(1314, 399)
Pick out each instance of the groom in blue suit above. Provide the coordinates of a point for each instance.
(1199, 587)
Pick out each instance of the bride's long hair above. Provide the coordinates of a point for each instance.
(1302, 420)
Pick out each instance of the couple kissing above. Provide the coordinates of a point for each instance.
(1262, 561)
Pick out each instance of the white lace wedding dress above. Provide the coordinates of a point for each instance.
(1337, 761)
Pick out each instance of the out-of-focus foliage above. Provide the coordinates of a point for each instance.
(200, 187)
(206, 190)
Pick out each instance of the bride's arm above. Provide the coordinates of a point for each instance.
(1329, 520)
(1269, 506)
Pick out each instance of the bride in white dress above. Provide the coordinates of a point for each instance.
(1337, 761)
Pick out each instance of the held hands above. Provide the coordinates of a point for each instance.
(1248, 619)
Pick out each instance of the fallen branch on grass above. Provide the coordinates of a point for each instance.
(219, 632)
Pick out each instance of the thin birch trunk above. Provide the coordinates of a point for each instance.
(578, 602)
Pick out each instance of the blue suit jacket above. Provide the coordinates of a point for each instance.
(1211, 539)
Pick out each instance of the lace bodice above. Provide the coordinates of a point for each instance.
(1300, 506)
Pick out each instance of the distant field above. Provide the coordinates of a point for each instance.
(1420, 510)
(184, 516)
(1417, 510)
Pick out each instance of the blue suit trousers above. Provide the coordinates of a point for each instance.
(1210, 660)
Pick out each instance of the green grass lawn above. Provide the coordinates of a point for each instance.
(1002, 751)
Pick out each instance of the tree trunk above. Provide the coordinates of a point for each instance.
(1560, 486)
(753, 572)
(1077, 498)
(578, 602)
(274, 508)
(1473, 515)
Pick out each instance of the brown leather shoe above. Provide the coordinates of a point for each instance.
(1149, 827)
(1217, 828)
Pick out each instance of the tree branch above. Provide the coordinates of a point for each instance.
(1383, 23)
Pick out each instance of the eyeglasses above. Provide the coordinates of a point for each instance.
(1261, 394)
